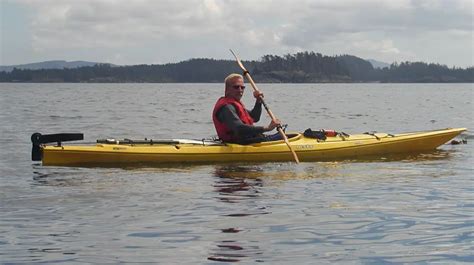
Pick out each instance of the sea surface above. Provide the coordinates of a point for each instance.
(417, 209)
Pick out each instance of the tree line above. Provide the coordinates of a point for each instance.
(302, 67)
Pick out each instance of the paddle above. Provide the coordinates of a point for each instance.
(254, 86)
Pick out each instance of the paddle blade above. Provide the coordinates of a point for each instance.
(238, 61)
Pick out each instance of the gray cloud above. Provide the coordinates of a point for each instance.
(146, 31)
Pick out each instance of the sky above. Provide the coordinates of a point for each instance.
(129, 32)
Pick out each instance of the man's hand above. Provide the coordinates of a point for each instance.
(272, 125)
(258, 95)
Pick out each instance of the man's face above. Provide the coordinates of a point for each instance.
(235, 89)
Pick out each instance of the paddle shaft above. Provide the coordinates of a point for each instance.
(270, 113)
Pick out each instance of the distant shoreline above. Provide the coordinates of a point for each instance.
(303, 67)
(258, 82)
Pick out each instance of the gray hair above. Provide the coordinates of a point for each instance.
(230, 77)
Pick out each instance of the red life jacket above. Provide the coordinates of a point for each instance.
(224, 133)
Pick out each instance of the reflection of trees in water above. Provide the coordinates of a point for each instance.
(232, 187)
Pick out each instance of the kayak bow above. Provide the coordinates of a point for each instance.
(339, 147)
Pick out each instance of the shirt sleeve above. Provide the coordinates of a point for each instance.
(256, 112)
(228, 115)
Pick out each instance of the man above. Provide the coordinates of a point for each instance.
(233, 122)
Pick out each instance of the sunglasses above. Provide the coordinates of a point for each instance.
(237, 87)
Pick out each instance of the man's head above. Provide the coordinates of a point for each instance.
(234, 86)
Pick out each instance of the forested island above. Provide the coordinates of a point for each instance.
(303, 67)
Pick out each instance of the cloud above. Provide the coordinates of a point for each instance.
(194, 28)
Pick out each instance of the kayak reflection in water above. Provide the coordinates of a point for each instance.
(233, 122)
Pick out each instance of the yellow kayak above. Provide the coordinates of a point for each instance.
(339, 147)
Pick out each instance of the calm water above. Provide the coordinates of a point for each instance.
(419, 209)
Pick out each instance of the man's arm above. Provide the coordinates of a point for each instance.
(256, 112)
(228, 115)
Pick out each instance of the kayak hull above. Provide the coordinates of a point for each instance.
(308, 149)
